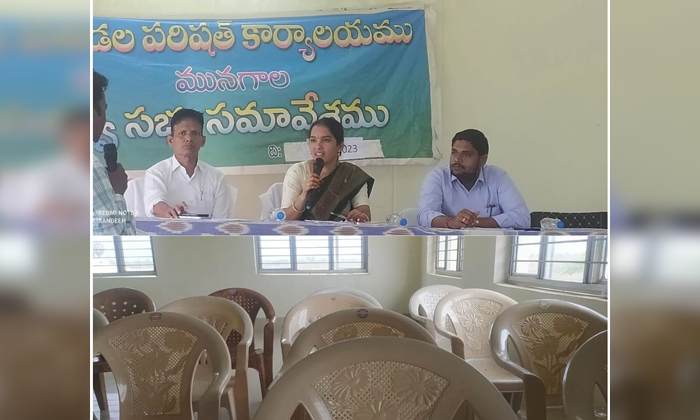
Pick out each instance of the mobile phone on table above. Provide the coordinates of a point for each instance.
(195, 216)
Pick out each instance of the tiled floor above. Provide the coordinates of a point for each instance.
(253, 382)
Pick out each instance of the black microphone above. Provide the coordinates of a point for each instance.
(313, 194)
(110, 152)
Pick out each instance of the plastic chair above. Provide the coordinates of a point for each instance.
(312, 309)
(259, 359)
(154, 357)
(353, 323)
(350, 291)
(225, 316)
(134, 197)
(118, 303)
(411, 215)
(115, 304)
(383, 378)
(271, 200)
(423, 302)
(465, 317)
(546, 334)
(98, 320)
(591, 220)
(587, 368)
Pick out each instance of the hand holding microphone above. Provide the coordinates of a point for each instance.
(313, 183)
(117, 175)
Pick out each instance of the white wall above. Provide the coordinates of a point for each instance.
(531, 75)
(195, 266)
(485, 261)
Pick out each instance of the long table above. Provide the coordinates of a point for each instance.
(209, 227)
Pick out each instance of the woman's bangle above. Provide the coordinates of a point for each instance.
(295, 208)
(447, 221)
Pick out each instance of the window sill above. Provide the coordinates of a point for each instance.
(594, 293)
(123, 276)
(311, 273)
(448, 274)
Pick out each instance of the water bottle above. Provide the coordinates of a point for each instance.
(277, 215)
(551, 224)
(396, 220)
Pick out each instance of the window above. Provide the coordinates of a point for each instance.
(312, 254)
(560, 262)
(448, 254)
(122, 256)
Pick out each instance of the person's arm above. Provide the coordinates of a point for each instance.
(430, 202)
(222, 200)
(154, 191)
(515, 212)
(360, 207)
(295, 191)
(109, 213)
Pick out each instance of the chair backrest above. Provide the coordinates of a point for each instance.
(222, 314)
(99, 320)
(271, 199)
(311, 310)
(134, 197)
(234, 198)
(353, 323)
(383, 378)
(121, 302)
(590, 220)
(466, 316)
(422, 304)
(587, 368)
(350, 291)
(153, 357)
(411, 215)
(251, 302)
(545, 333)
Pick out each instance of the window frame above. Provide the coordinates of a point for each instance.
(364, 255)
(443, 271)
(119, 257)
(594, 264)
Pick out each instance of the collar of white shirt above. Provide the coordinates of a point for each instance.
(175, 165)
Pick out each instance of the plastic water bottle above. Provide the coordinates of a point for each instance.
(396, 220)
(551, 224)
(277, 215)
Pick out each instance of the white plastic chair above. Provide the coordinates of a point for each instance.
(411, 215)
(312, 309)
(134, 196)
(424, 301)
(465, 317)
(350, 291)
(270, 200)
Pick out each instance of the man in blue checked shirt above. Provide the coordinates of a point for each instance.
(469, 193)
(109, 213)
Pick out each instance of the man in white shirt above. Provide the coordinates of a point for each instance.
(183, 183)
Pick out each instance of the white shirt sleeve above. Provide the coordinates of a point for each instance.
(361, 198)
(154, 188)
(293, 183)
(222, 200)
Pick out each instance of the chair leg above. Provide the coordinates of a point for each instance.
(516, 401)
(228, 403)
(262, 376)
(98, 385)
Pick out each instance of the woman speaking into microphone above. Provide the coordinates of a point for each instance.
(323, 187)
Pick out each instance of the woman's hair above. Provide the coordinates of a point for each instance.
(333, 126)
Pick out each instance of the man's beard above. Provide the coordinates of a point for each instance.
(466, 177)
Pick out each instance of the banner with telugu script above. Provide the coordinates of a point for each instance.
(261, 83)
